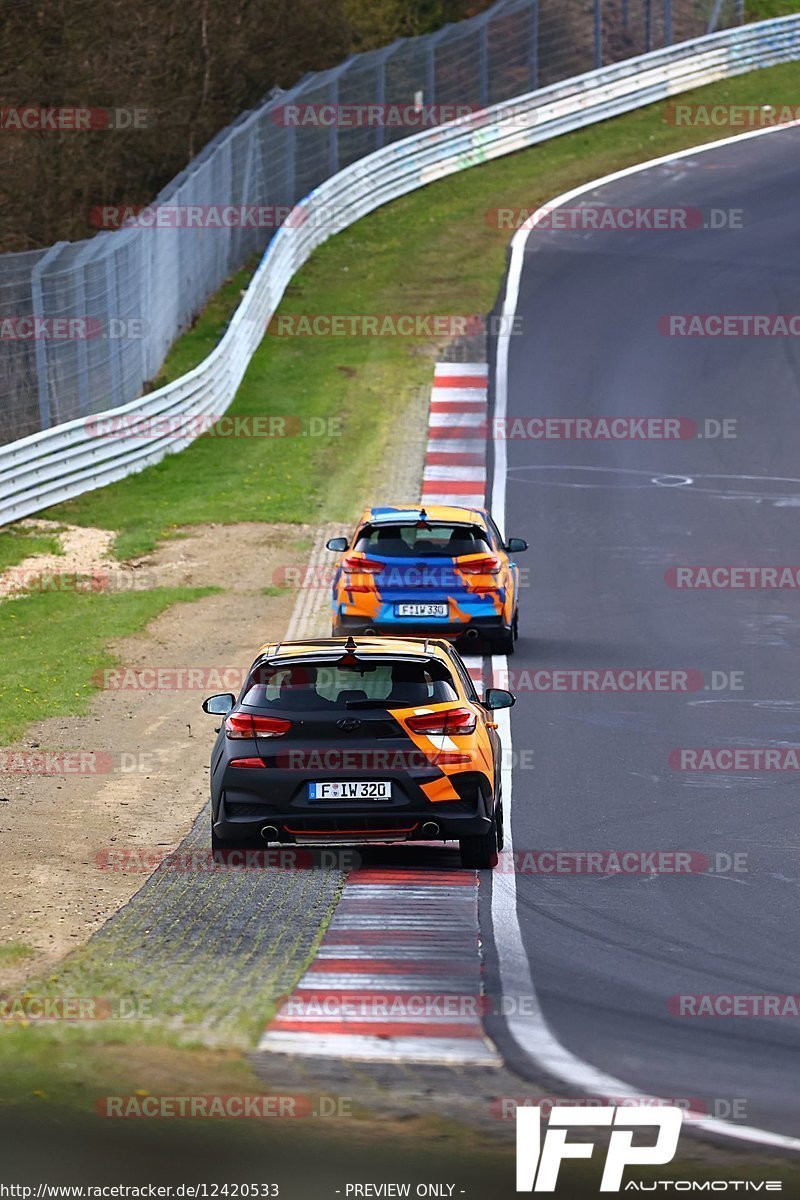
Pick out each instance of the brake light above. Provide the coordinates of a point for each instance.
(480, 566)
(354, 565)
(250, 725)
(252, 764)
(448, 720)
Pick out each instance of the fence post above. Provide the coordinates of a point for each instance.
(483, 64)
(380, 99)
(40, 351)
(598, 34)
(534, 45)
(648, 25)
(333, 136)
(112, 306)
(79, 267)
(667, 22)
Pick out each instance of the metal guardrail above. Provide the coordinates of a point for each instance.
(81, 455)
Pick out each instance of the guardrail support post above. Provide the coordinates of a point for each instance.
(534, 45)
(380, 96)
(333, 136)
(40, 351)
(598, 34)
(667, 22)
(112, 307)
(483, 65)
(648, 25)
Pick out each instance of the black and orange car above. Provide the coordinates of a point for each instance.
(368, 740)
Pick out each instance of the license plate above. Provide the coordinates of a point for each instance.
(350, 790)
(421, 610)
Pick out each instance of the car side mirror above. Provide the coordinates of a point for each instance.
(516, 545)
(498, 698)
(337, 544)
(220, 705)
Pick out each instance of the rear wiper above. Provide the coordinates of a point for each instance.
(375, 704)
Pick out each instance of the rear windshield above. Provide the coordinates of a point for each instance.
(316, 687)
(433, 541)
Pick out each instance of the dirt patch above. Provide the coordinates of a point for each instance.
(83, 552)
(150, 778)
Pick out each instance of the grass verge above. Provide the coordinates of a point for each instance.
(435, 251)
(52, 643)
(17, 543)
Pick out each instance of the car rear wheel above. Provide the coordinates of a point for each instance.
(505, 643)
(480, 851)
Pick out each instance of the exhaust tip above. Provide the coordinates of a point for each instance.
(369, 633)
(430, 829)
(472, 634)
(270, 834)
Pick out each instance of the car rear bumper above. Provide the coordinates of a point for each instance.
(462, 631)
(242, 814)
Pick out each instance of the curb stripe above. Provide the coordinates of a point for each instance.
(399, 939)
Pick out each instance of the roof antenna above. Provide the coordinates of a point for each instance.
(350, 644)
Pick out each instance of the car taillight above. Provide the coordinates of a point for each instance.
(249, 725)
(251, 764)
(354, 565)
(480, 566)
(449, 720)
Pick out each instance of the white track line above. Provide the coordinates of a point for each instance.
(530, 1031)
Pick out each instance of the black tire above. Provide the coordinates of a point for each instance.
(500, 819)
(481, 850)
(505, 643)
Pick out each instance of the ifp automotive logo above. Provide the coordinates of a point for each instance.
(538, 1161)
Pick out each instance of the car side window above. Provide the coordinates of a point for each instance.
(466, 679)
(496, 534)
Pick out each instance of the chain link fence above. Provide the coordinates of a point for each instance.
(86, 325)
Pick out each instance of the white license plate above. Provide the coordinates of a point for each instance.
(421, 610)
(350, 790)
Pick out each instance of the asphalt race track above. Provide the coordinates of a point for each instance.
(605, 521)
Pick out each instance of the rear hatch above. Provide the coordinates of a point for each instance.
(422, 563)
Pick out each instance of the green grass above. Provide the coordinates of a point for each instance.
(17, 544)
(51, 643)
(760, 10)
(430, 252)
(14, 952)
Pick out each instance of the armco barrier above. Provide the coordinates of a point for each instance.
(73, 458)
